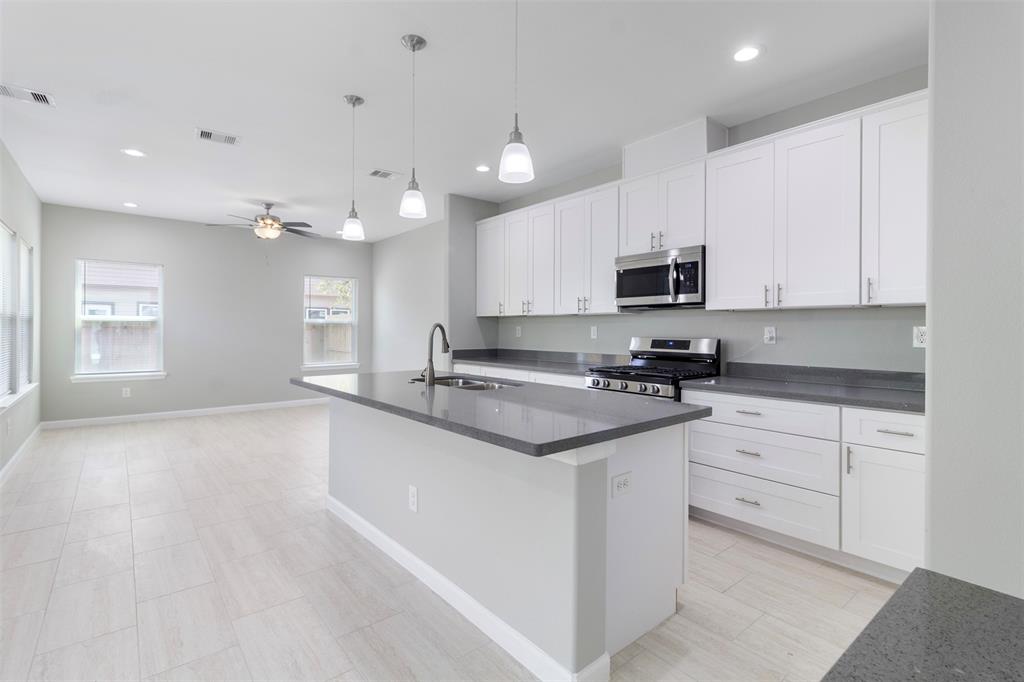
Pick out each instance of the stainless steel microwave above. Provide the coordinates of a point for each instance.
(661, 279)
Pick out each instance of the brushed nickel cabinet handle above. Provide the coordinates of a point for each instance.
(752, 453)
(744, 500)
(661, 240)
(754, 413)
(652, 241)
(896, 433)
(522, 307)
(586, 304)
(579, 303)
(501, 308)
(778, 295)
(529, 307)
(869, 290)
(765, 295)
(849, 464)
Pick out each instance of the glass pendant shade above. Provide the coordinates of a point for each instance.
(352, 230)
(516, 165)
(413, 205)
(268, 232)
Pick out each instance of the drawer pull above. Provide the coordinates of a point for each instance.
(896, 433)
(748, 452)
(751, 412)
(849, 464)
(750, 502)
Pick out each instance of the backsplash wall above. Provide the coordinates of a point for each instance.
(859, 338)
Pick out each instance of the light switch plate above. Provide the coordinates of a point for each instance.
(593, 331)
(920, 337)
(126, 392)
(769, 336)
(519, 331)
(622, 484)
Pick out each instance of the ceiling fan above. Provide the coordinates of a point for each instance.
(267, 226)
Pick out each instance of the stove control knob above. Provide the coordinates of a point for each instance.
(655, 389)
(642, 388)
(623, 385)
(605, 383)
(595, 382)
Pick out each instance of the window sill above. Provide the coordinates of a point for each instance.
(122, 376)
(13, 399)
(322, 368)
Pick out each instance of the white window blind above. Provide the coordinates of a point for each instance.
(25, 316)
(119, 317)
(7, 314)
(329, 321)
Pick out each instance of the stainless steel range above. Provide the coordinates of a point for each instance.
(657, 366)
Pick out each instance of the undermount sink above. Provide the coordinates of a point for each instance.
(468, 384)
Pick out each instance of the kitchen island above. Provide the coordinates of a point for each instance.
(551, 517)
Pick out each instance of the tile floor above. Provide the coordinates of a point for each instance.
(200, 549)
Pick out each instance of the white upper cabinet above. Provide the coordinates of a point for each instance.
(541, 280)
(517, 263)
(601, 220)
(739, 229)
(817, 217)
(895, 177)
(681, 205)
(663, 210)
(638, 215)
(570, 256)
(490, 266)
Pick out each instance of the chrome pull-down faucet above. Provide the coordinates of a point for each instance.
(428, 373)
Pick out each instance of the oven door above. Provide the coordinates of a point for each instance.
(666, 278)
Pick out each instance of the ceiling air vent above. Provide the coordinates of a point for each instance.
(26, 95)
(382, 174)
(214, 136)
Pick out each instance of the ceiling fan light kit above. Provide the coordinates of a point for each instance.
(267, 226)
(516, 166)
(413, 204)
(352, 229)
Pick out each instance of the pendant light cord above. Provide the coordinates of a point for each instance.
(413, 114)
(515, 90)
(353, 156)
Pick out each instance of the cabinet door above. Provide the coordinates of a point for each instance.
(570, 256)
(681, 205)
(739, 229)
(895, 199)
(638, 215)
(601, 211)
(817, 217)
(540, 299)
(517, 259)
(490, 267)
(883, 505)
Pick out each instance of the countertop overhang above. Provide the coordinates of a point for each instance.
(534, 419)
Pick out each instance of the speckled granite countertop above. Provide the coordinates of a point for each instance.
(535, 419)
(852, 396)
(938, 628)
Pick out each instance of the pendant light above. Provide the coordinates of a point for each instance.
(413, 204)
(353, 227)
(516, 165)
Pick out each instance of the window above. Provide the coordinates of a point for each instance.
(118, 321)
(8, 269)
(25, 315)
(329, 332)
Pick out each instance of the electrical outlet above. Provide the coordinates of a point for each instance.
(519, 332)
(920, 337)
(126, 392)
(593, 331)
(769, 336)
(622, 484)
(414, 499)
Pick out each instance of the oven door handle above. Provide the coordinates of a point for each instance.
(673, 289)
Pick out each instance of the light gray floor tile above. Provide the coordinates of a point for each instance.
(87, 609)
(94, 558)
(95, 523)
(17, 642)
(170, 569)
(253, 583)
(182, 627)
(163, 530)
(31, 546)
(48, 490)
(26, 588)
(38, 515)
(224, 666)
(114, 656)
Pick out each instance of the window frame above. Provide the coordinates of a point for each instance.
(16, 390)
(80, 302)
(353, 323)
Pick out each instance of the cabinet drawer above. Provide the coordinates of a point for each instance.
(804, 419)
(794, 460)
(892, 430)
(567, 380)
(804, 514)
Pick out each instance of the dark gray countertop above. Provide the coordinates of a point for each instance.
(535, 419)
(530, 365)
(902, 400)
(938, 628)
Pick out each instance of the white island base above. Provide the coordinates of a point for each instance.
(535, 551)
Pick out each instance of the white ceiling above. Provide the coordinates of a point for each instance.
(594, 75)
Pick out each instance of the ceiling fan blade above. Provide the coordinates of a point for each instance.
(296, 225)
(301, 233)
(241, 217)
(228, 224)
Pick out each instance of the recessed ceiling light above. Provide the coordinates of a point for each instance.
(129, 204)
(137, 153)
(748, 52)
(483, 168)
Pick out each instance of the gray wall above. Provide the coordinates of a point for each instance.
(232, 310)
(410, 287)
(867, 338)
(20, 210)
(466, 329)
(975, 463)
(895, 85)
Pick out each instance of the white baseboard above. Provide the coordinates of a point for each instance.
(508, 638)
(22, 449)
(854, 563)
(177, 414)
